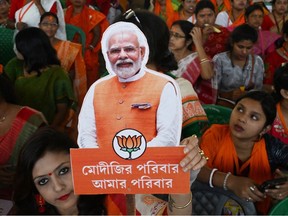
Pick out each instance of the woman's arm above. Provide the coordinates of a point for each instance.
(181, 204)
(96, 37)
(242, 187)
(205, 63)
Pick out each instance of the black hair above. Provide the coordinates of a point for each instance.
(7, 91)
(280, 81)
(243, 32)
(46, 139)
(47, 14)
(252, 8)
(186, 28)
(157, 34)
(35, 47)
(267, 103)
(204, 4)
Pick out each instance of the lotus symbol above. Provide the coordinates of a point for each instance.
(129, 144)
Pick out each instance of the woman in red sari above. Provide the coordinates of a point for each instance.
(274, 21)
(17, 123)
(276, 59)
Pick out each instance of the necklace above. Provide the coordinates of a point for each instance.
(277, 23)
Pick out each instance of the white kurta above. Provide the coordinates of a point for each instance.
(32, 16)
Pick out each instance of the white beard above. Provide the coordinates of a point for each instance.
(128, 72)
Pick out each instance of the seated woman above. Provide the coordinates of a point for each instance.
(265, 44)
(191, 65)
(186, 11)
(17, 123)
(276, 58)
(39, 80)
(238, 70)
(279, 127)
(241, 154)
(275, 20)
(43, 183)
(4, 12)
(69, 54)
(234, 16)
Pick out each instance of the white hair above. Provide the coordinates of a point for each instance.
(118, 28)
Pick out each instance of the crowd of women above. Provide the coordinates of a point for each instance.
(230, 53)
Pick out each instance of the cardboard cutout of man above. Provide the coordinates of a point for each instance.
(131, 96)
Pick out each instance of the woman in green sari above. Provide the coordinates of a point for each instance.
(39, 80)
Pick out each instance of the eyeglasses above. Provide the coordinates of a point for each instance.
(129, 50)
(176, 35)
(45, 24)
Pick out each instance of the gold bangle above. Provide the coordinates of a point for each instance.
(204, 60)
(171, 203)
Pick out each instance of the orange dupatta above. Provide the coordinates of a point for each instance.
(87, 20)
(71, 53)
(239, 20)
(171, 15)
(218, 143)
(226, 3)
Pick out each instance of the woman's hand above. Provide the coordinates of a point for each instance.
(21, 25)
(196, 35)
(194, 158)
(245, 188)
(281, 191)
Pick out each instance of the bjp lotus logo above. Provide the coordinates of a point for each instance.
(129, 144)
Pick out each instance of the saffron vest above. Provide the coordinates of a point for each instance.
(113, 107)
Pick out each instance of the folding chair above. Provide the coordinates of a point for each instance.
(217, 114)
(6, 45)
(280, 208)
(212, 201)
(72, 31)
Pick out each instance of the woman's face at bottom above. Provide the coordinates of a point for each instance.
(53, 180)
(247, 119)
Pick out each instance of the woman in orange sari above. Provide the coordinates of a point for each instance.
(70, 56)
(242, 156)
(93, 23)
